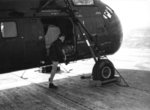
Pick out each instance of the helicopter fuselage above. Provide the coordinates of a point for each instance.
(23, 29)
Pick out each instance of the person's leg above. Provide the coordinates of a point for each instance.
(53, 72)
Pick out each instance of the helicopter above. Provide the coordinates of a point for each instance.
(92, 30)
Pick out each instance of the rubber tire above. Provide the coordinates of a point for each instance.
(99, 68)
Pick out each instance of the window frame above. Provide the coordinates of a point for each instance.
(82, 5)
(9, 37)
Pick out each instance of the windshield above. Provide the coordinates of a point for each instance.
(83, 2)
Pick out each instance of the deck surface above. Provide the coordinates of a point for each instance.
(32, 93)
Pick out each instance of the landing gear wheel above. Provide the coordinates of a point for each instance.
(103, 70)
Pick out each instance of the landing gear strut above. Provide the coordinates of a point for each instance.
(103, 69)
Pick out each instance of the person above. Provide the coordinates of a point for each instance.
(56, 54)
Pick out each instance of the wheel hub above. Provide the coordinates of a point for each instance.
(106, 72)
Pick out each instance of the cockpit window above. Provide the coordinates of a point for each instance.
(108, 13)
(83, 2)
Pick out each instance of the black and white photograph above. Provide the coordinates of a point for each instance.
(74, 55)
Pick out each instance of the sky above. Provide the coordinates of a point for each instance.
(132, 13)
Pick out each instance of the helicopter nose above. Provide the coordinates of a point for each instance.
(109, 41)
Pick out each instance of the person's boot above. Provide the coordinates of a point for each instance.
(52, 86)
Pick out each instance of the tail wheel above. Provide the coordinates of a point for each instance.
(103, 70)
